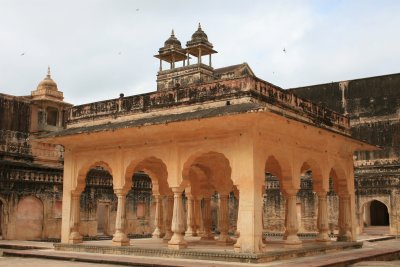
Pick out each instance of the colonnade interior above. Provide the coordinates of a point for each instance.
(206, 203)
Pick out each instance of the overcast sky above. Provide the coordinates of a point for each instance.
(97, 49)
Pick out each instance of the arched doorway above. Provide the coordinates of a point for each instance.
(29, 219)
(97, 203)
(379, 215)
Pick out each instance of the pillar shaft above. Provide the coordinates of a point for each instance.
(322, 219)
(168, 218)
(344, 218)
(207, 234)
(190, 217)
(197, 216)
(75, 237)
(292, 225)
(178, 224)
(223, 221)
(120, 238)
(158, 218)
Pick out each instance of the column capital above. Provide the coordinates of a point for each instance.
(177, 190)
(120, 192)
(321, 193)
(290, 192)
(75, 194)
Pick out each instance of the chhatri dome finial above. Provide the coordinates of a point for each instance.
(199, 26)
(48, 72)
(173, 33)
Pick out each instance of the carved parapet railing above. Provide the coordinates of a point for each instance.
(26, 175)
(13, 142)
(198, 93)
(319, 114)
(156, 100)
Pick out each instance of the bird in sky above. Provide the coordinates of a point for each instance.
(284, 50)
(137, 9)
(22, 54)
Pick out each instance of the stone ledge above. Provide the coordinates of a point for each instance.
(203, 254)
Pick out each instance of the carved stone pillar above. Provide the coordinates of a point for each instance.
(190, 216)
(223, 221)
(168, 218)
(120, 238)
(178, 224)
(292, 226)
(75, 237)
(207, 234)
(344, 219)
(285, 234)
(158, 218)
(197, 216)
(322, 219)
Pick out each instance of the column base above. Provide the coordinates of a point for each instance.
(237, 247)
(75, 238)
(292, 241)
(190, 232)
(225, 240)
(343, 238)
(120, 239)
(323, 237)
(156, 234)
(207, 237)
(167, 235)
(177, 242)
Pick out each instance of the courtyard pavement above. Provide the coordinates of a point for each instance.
(45, 255)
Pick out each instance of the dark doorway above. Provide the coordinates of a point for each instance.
(379, 214)
(102, 218)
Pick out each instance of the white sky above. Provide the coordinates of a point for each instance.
(100, 48)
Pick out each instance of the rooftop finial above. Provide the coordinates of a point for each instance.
(48, 72)
(173, 33)
(199, 26)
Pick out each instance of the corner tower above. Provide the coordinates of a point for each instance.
(47, 106)
(186, 74)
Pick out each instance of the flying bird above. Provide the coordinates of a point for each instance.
(137, 9)
(284, 50)
(22, 54)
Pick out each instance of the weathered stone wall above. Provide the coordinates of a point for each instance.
(373, 105)
(14, 113)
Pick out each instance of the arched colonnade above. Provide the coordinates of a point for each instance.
(200, 171)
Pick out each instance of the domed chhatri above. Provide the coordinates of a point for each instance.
(47, 82)
(47, 88)
(172, 41)
(199, 37)
(172, 51)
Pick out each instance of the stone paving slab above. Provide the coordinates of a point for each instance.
(382, 250)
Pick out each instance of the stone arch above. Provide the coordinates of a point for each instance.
(155, 168)
(320, 182)
(280, 168)
(29, 218)
(338, 175)
(375, 212)
(214, 165)
(83, 171)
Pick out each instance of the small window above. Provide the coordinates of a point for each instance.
(52, 116)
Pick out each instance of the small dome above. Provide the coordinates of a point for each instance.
(172, 41)
(47, 82)
(199, 35)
